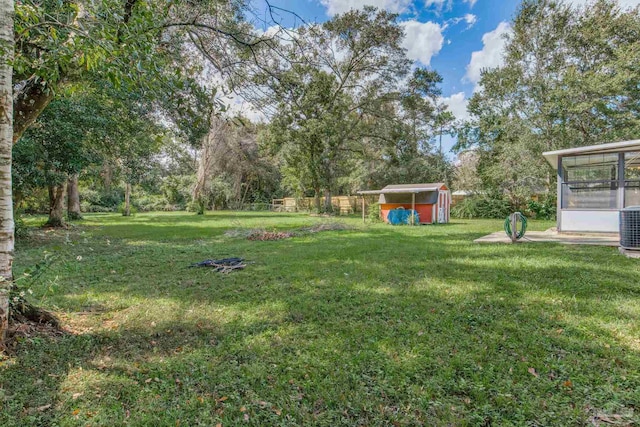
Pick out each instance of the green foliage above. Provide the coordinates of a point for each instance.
(55, 146)
(569, 79)
(21, 231)
(482, 206)
(198, 205)
(221, 192)
(177, 190)
(32, 202)
(21, 290)
(145, 202)
(338, 104)
(113, 201)
(424, 167)
(100, 201)
(373, 213)
(132, 209)
(260, 206)
(546, 208)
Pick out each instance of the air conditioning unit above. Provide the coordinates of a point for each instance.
(630, 228)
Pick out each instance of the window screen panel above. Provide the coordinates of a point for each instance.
(590, 195)
(632, 165)
(631, 193)
(593, 167)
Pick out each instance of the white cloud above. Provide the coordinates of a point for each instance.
(624, 3)
(470, 19)
(422, 40)
(491, 55)
(457, 104)
(438, 3)
(471, 2)
(335, 7)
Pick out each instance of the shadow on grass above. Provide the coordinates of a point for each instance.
(362, 327)
(332, 356)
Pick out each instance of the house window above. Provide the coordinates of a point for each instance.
(590, 182)
(632, 179)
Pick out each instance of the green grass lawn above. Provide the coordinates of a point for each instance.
(373, 326)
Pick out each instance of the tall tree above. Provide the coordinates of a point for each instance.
(403, 146)
(144, 43)
(570, 78)
(55, 148)
(6, 142)
(336, 76)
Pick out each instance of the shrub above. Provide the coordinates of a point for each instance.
(144, 202)
(21, 231)
(198, 205)
(177, 190)
(545, 208)
(35, 201)
(87, 207)
(100, 201)
(482, 206)
(374, 212)
(132, 209)
(259, 206)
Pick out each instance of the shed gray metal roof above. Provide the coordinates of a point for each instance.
(406, 189)
(613, 147)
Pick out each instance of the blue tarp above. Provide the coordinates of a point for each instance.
(402, 216)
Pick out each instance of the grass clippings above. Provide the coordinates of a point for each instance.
(260, 234)
(263, 235)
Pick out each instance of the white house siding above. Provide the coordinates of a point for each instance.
(590, 221)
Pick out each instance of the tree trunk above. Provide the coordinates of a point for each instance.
(107, 175)
(328, 206)
(73, 198)
(316, 200)
(56, 206)
(31, 99)
(6, 144)
(127, 200)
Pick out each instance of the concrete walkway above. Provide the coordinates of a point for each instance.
(552, 236)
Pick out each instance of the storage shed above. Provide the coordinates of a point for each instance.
(432, 201)
(595, 183)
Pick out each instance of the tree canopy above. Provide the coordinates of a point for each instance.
(570, 78)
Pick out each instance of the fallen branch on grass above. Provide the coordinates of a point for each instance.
(225, 265)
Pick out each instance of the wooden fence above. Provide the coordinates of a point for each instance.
(345, 205)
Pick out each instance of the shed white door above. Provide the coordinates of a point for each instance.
(443, 207)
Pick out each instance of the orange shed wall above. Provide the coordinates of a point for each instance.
(425, 211)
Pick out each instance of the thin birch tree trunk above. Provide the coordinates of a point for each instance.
(6, 144)
(73, 198)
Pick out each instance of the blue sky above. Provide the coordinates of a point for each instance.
(457, 38)
(462, 26)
